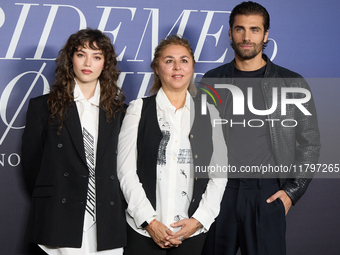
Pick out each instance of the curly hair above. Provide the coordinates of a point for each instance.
(61, 95)
(169, 40)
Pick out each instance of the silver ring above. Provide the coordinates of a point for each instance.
(181, 238)
(166, 229)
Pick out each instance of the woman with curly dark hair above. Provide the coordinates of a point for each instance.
(69, 152)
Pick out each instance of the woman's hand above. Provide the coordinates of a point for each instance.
(159, 233)
(188, 227)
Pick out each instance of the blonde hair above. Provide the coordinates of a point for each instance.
(169, 40)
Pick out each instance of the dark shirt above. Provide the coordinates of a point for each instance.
(248, 145)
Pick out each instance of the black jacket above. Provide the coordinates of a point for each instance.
(56, 173)
(292, 146)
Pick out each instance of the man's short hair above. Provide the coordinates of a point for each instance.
(250, 8)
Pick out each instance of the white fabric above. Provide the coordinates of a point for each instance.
(89, 246)
(88, 138)
(89, 126)
(174, 184)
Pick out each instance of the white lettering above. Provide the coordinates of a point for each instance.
(145, 83)
(243, 123)
(219, 122)
(121, 78)
(17, 161)
(18, 30)
(250, 123)
(204, 105)
(272, 121)
(274, 50)
(103, 22)
(154, 14)
(2, 160)
(204, 34)
(184, 21)
(2, 17)
(289, 120)
(6, 94)
(297, 101)
(255, 120)
(12, 160)
(48, 26)
(261, 112)
(238, 98)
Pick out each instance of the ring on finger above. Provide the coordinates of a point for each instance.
(180, 238)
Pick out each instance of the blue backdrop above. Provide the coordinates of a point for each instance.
(303, 36)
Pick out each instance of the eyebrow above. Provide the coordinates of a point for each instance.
(184, 56)
(95, 53)
(254, 27)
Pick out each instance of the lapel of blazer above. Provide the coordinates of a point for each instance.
(72, 123)
(104, 133)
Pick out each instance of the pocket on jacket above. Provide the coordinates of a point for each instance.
(43, 191)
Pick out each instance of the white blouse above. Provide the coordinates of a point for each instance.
(174, 184)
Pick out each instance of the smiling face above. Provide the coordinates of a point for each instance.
(248, 36)
(87, 65)
(175, 68)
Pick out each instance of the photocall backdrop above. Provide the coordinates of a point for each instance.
(304, 37)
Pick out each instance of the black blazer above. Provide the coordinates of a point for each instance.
(56, 173)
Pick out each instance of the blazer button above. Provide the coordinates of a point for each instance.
(60, 145)
(112, 203)
(196, 156)
(66, 174)
(191, 136)
(193, 200)
(63, 200)
(112, 177)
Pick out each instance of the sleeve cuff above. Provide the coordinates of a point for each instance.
(203, 218)
(146, 214)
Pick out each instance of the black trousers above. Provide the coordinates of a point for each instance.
(139, 244)
(247, 221)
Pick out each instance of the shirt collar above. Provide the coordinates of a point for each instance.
(78, 95)
(164, 103)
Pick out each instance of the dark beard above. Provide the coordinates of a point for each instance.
(248, 54)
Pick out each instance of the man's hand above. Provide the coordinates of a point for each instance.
(287, 202)
(159, 233)
(188, 227)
